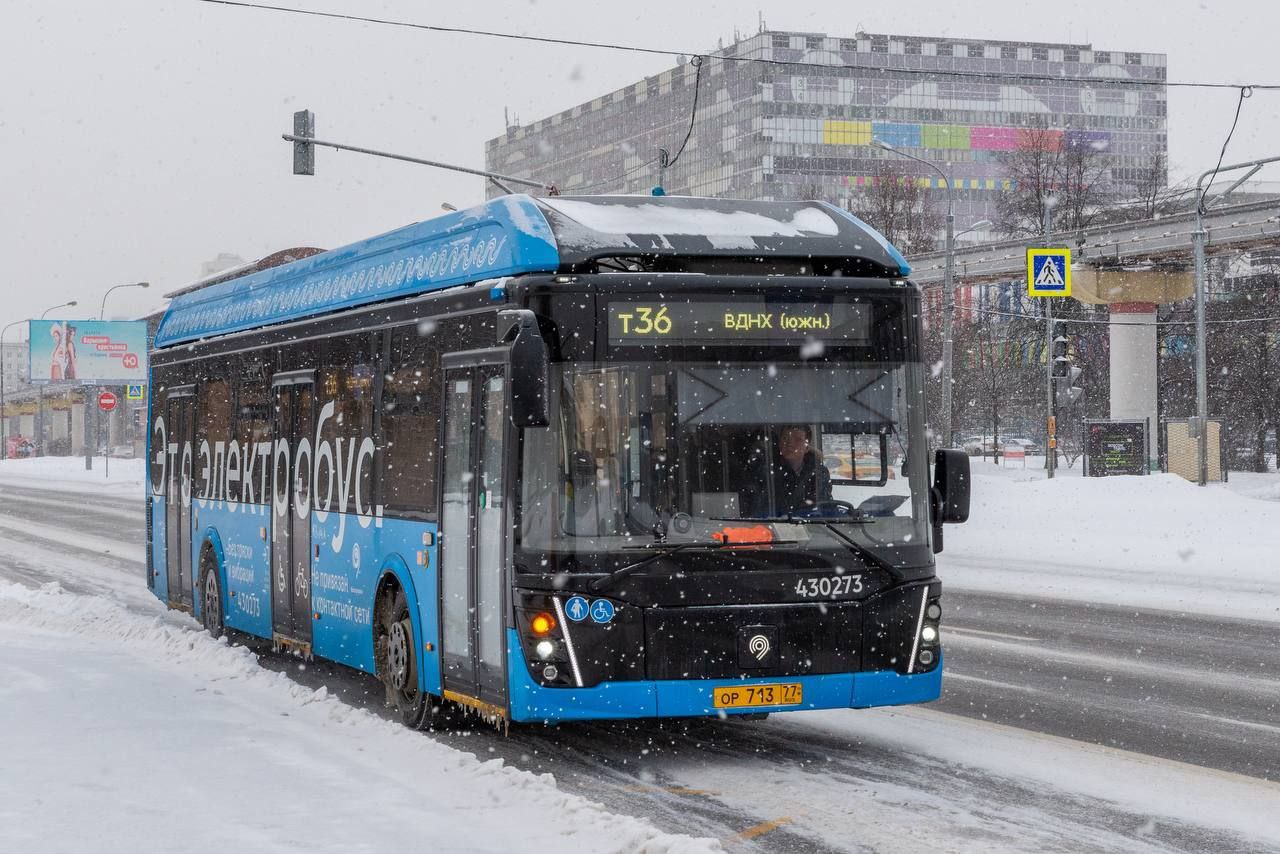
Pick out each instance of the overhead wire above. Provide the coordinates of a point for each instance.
(653, 51)
(697, 62)
(1039, 317)
(693, 113)
(1245, 92)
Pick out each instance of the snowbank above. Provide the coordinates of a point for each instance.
(125, 732)
(67, 474)
(1156, 541)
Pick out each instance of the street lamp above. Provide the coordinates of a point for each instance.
(977, 226)
(1198, 238)
(88, 450)
(948, 285)
(45, 313)
(102, 312)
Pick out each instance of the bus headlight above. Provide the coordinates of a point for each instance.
(928, 634)
(545, 649)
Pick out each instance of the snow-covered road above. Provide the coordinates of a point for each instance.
(151, 736)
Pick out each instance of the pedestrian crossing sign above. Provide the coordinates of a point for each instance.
(1049, 272)
(134, 391)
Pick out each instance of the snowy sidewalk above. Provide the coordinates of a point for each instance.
(123, 732)
(1155, 541)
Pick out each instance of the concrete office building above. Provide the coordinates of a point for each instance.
(781, 131)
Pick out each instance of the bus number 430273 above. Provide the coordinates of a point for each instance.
(831, 585)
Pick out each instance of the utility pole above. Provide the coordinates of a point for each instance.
(1202, 370)
(304, 163)
(91, 437)
(1051, 426)
(948, 290)
(1199, 238)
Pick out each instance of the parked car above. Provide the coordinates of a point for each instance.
(1026, 444)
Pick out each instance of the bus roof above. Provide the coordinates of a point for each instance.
(518, 234)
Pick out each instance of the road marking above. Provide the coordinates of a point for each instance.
(1165, 670)
(1236, 721)
(950, 629)
(673, 790)
(1009, 730)
(951, 674)
(71, 540)
(19, 497)
(757, 830)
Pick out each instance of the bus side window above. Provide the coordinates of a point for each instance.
(409, 411)
(213, 426)
(346, 381)
(252, 428)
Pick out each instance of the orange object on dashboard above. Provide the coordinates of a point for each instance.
(745, 536)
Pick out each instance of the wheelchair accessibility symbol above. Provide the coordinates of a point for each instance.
(602, 611)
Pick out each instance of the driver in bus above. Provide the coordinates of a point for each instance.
(797, 482)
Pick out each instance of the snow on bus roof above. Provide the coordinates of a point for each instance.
(517, 234)
(589, 227)
(655, 218)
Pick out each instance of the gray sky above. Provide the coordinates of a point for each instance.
(139, 138)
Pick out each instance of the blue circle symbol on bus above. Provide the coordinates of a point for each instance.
(602, 611)
(576, 609)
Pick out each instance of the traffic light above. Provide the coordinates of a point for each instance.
(1065, 374)
(304, 153)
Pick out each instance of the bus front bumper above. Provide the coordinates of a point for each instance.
(678, 698)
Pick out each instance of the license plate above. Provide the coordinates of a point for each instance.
(743, 696)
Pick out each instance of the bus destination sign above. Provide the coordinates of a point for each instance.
(738, 322)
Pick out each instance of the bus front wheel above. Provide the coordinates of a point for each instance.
(398, 665)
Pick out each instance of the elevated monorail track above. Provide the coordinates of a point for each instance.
(1165, 241)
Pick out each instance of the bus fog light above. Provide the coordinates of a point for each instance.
(926, 657)
(542, 624)
(545, 649)
(928, 634)
(550, 672)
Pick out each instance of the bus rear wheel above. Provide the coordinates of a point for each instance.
(398, 666)
(211, 596)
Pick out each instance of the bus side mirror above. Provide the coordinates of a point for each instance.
(951, 484)
(949, 498)
(530, 368)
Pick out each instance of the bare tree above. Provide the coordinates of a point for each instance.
(895, 204)
(998, 370)
(1072, 176)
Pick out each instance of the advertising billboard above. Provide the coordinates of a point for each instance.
(101, 352)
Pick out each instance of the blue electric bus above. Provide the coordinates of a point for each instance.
(565, 459)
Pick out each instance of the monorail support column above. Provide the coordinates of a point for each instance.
(1134, 374)
(1133, 297)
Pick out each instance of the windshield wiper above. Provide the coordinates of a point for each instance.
(661, 550)
(789, 519)
(857, 548)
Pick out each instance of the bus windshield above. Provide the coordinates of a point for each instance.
(676, 452)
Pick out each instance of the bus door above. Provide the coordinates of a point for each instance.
(473, 531)
(181, 420)
(292, 458)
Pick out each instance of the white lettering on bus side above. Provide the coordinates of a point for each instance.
(324, 454)
(314, 475)
(160, 440)
(232, 494)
